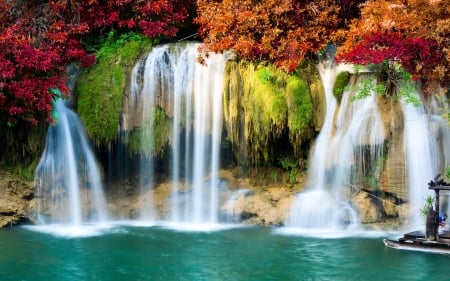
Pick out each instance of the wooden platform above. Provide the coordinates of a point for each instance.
(416, 241)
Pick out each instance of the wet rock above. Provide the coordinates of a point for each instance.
(16, 199)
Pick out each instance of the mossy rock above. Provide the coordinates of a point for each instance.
(340, 84)
(299, 105)
(151, 140)
(100, 89)
(273, 104)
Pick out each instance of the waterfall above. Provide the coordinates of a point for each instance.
(69, 188)
(350, 142)
(171, 80)
(426, 148)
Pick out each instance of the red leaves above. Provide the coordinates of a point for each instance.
(412, 53)
(87, 60)
(7, 69)
(38, 39)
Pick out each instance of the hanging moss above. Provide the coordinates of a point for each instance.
(100, 89)
(299, 105)
(300, 111)
(272, 103)
(266, 110)
(151, 141)
(340, 84)
(21, 144)
(270, 100)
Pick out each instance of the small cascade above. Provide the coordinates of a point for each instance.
(346, 151)
(426, 148)
(69, 188)
(171, 82)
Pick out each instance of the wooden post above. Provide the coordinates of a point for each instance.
(437, 214)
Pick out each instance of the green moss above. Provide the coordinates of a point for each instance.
(272, 102)
(299, 105)
(266, 108)
(100, 89)
(149, 140)
(340, 84)
(291, 164)
(26, 172)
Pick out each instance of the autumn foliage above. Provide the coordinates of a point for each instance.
(414, 33)
(284, 32)
(38, 39)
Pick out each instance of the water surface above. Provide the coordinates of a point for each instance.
(158, 253)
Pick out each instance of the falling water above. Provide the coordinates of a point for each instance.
(191, 94)
(68, 180)
(426, 146)
(351, 140)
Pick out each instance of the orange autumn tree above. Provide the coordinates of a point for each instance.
(283, 32)
(413, 33)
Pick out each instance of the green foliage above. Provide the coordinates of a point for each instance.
(429, 201)
(368, 87)
(262, 104)
(393, 82)
(267, 110)
(408, 91)
(264, 74)
(26, 172)
(357, 68)
(125, 45)
(300, 106)
(100, 89)
(447, 173)
(274, 175)
(340, 84)
(151, 140)
(291, 164)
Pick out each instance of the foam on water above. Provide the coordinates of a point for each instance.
(72, 231)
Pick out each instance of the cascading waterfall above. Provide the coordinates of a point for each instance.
(426, 148)
(171, 79)
(68, 180)
(351, 140)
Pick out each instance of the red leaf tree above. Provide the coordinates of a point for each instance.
(38, 39)
(414, 33)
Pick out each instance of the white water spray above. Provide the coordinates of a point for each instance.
(426, 146)
(69, 188)
(191, 94)
(351, 137)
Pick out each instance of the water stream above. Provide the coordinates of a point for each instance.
(349, 144)
(426, 146)
(350, 151)
(169, 82)
(69, 188)
(171, 79)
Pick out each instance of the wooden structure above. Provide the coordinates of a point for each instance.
(431, 239)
